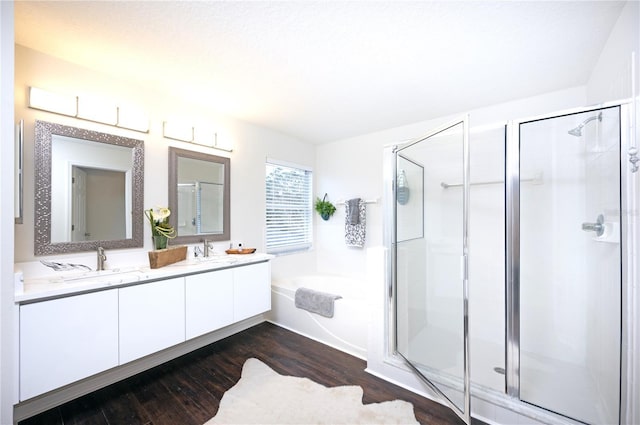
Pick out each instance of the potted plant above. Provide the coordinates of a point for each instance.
(161, 230)
(324, 207)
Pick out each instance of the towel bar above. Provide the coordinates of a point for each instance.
(537, 179)
(366, 201)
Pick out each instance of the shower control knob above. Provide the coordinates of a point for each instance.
(597, 227)
(633, 159)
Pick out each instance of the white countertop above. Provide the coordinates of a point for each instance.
(65, 283)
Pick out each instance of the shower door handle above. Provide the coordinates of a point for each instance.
(597, 227)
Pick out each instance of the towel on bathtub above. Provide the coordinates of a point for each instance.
(315, 301)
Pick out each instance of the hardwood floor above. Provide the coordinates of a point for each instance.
(188, 390)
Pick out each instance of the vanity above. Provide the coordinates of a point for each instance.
(79, 330)
(83, 330)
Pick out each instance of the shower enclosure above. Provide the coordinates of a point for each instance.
(508, 262)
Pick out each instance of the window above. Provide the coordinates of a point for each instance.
(289, 207)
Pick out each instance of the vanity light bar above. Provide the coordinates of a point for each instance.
(182, 132)
(204, 135)
(177, 130)
(222, 146)
(133, 118)
(90, 109)
(98, 110)
(53, 102)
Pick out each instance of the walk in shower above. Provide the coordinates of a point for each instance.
(508, 262)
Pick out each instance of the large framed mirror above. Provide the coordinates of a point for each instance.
(199, 196)
(89, 190)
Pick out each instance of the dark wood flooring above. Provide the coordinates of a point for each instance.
(188, 390)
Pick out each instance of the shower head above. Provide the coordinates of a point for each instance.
(578, 130)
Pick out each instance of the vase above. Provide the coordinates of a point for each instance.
(160, 242)
(325, 216)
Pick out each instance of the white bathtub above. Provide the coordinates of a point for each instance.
(347, 330)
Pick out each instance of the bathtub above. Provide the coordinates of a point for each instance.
(347, 330)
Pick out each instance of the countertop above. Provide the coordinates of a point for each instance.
(67, 283)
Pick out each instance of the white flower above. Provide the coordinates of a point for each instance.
(160, 213)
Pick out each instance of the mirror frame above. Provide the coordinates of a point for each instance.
(44, 131)
(174, 154)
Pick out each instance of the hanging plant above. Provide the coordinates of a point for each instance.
(324, 207)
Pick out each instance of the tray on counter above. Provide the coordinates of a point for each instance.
(241, 251)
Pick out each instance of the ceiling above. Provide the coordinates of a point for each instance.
(327, 70)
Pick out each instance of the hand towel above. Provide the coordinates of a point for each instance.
(354, 210)
(354, 234)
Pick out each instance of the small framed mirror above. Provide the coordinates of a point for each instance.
(89, 190)
(199, 196)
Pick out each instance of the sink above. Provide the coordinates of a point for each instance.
(113, 276)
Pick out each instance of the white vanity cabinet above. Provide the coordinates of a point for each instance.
(208, 302)
(93, 334)
(251, 290)
(152, 317)
(67, 339)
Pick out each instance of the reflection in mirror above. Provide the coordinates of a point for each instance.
(198, 196)
(98, 205)
(91, 196)
(89, 190)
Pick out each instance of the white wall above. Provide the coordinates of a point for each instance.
(7, 334)
(611, 77)
(252, 145)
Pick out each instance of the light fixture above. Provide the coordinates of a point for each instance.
(177, 130)
(98, 110)
(89, 108)
(223, 143)
(203, 135)
(53, 102)
(133, 118)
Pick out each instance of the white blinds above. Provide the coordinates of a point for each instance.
(289, 207)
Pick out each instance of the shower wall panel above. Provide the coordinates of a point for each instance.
(487, 258)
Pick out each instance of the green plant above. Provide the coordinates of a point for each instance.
(324, 207)
(159, 219)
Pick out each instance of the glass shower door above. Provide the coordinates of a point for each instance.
(430, 249)
(570, 265)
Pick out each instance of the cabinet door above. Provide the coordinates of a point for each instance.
(151, 318)
(251, 290)
(67, 339)
(208, 303)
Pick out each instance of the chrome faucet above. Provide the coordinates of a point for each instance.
(101, 258)
(207, 246)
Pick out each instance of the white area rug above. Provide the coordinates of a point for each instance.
(263, 396)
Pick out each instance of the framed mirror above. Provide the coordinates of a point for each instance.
(89, 190)
(199, 196)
